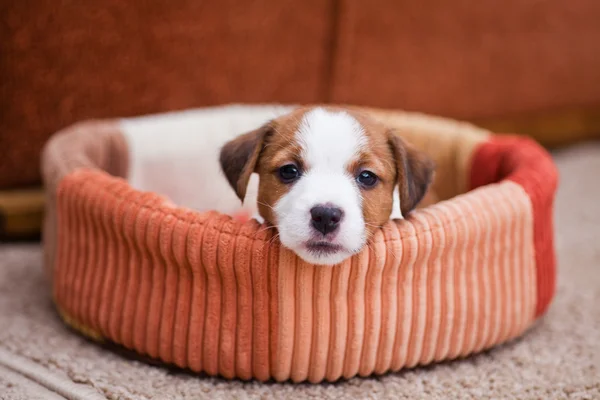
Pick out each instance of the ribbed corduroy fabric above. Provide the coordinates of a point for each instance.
(214, 294)
(206, 292)
(195, 290)
(455, 278)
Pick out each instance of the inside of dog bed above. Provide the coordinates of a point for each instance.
(176, 154)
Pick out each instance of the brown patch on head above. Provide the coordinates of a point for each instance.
(394, 161)
(263, 151)
(378, 158)
(280, 149)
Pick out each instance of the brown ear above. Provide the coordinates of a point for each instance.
(414, 170)
(239, 157)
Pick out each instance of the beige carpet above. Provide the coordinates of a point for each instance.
(557, 359)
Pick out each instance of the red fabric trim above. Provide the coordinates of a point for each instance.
(525, 162)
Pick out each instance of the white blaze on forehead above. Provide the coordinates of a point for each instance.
(330, 140)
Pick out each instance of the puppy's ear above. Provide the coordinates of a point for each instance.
(414, 170)
(239, 158)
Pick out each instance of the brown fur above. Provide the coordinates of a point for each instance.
(280, 149)
(415, 173)
(239, 157)
(268, 148)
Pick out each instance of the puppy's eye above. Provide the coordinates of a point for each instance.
(289, 173)
(367, 179)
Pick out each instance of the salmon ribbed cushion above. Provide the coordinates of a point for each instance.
(204, 291)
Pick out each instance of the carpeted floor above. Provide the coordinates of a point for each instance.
(559, 358)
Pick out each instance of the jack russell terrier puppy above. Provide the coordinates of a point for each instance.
(329, 177)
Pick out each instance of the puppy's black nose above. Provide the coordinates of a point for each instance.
(326, 219)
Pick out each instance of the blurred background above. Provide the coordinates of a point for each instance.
(528, 67)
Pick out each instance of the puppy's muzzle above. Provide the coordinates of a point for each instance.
(326, 219)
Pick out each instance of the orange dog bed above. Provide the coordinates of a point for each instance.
(208, 292)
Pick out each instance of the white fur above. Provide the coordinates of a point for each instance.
(396, 213)
(329, 142)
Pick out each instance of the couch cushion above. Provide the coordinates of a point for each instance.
(113, 58)
(466, 59)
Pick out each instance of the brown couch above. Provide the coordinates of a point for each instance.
(491, 62)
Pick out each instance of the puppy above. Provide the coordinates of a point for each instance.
(328, 178)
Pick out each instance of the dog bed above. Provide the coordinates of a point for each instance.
(205, 291)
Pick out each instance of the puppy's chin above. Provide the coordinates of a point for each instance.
(325, 255)
(320, 251)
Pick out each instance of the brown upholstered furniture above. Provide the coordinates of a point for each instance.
(63, 63)
(110, 58)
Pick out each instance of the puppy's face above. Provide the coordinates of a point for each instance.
(327, 178)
